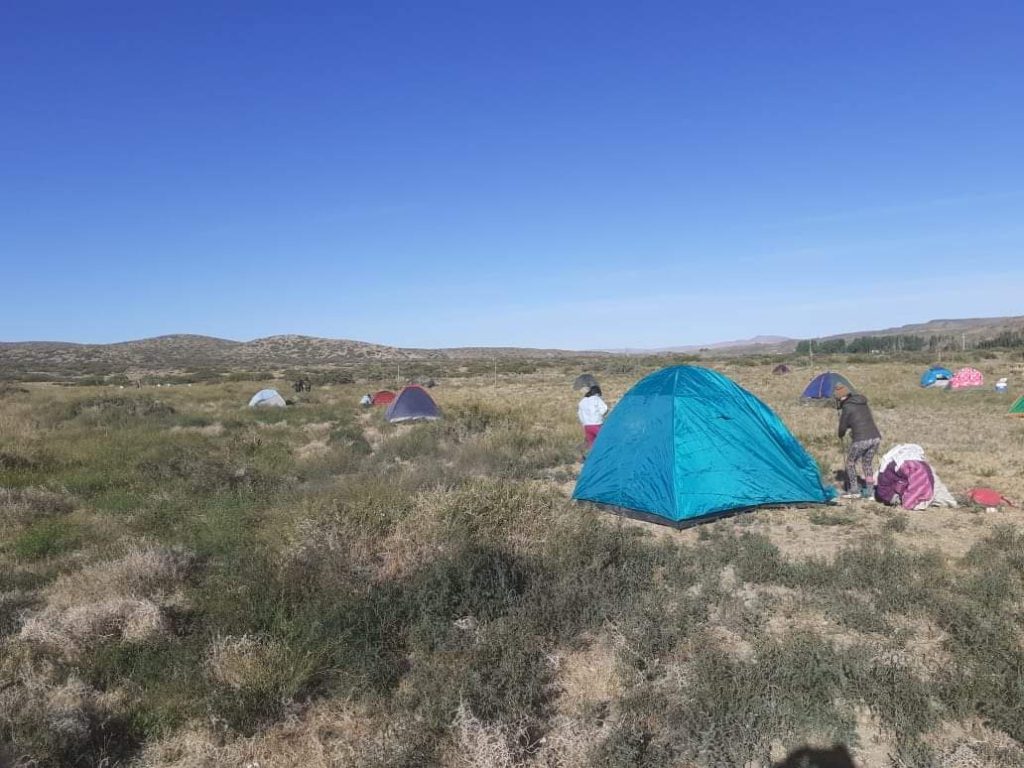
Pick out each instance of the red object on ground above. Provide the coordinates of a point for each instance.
(590, 432)
(988, 497)
(384, 397)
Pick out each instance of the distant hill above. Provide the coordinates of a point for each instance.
(973, 327)
(185, 352)
(972, 330)
(755, 344)
(758, 344)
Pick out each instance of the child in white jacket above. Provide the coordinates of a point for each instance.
(591, 412)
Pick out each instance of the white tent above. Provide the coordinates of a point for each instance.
(267, 398)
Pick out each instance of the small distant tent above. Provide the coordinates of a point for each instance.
(780, 369)
(585, 381)
(966, 378)
(412, 404)
(687, 444)
(936, 377)
(823, 385)
(267, 398)
(383, 397)
(1017, 409)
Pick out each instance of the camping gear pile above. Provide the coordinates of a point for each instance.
(967, 378)
(687, 444)
(907, 480)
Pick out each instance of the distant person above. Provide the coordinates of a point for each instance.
(855, 417)
(591, 411)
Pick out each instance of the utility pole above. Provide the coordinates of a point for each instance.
(963, 342)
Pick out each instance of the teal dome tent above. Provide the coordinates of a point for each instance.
(686, 444)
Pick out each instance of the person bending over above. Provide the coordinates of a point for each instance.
(855, 417)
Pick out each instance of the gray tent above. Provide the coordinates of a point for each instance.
(412, 404)
(267, 398)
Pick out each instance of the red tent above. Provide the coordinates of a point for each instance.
(384, 397)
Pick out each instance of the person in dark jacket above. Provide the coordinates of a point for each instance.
(855, 417)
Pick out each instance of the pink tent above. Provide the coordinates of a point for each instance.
(967, 377)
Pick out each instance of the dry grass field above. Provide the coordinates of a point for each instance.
(188, 582)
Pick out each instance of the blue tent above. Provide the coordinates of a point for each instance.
(936, 376)
(823, 385)
(686, 444)
(412, 404)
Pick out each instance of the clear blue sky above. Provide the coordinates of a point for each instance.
(572, 174)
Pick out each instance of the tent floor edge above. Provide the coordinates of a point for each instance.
(681, 525)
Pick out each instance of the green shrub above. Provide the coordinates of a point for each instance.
(47, 538)
(729, 709)
(202, 469)
(119, 410)
(350, 435)
(253, 679)
(13, 604)
(897, 523)
(419, 440)
(25, 505)
(826, 518)
(10, 460)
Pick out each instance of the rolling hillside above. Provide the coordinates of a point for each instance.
(183, 352)
(971, 330)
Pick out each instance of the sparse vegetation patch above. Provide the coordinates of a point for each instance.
(187, 582)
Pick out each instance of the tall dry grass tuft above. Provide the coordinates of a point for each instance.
(570, 741)
(19, 424)
(326, 735)
(70, 631)
(23, 506)
(123, 599)
(250, 664)
(477, 743)
(51, 718)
